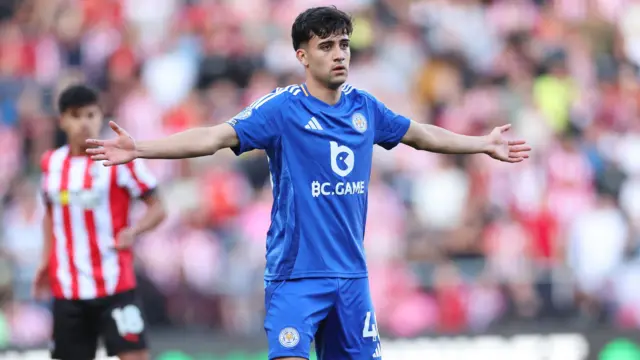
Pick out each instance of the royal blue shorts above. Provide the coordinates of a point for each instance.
(337, 313)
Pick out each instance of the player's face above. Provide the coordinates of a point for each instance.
(81, 124)
(328, 59)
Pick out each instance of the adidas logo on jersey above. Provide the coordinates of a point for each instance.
(313, 125)
(378, 353)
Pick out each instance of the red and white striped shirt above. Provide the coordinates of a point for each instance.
(89, 205)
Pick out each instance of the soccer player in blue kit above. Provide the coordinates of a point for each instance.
(319, 139)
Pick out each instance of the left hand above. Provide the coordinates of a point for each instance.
(125, 239)
(40, 289)
(512, 151)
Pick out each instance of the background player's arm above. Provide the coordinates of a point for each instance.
(436, 139)
(47, 222)
(154, 215)
(140, 184)
(188, 144)
(47, 235)
(40, 288)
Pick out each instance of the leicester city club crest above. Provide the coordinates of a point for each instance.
(289, 337)
(359, 122)
(243, 114)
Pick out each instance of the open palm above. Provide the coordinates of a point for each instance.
(120, 150)
(502, 149)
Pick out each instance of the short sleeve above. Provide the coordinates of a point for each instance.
(136, 178)
(257, 125)
(390, 127)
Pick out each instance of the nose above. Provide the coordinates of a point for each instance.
(86, 123)
(338, 56)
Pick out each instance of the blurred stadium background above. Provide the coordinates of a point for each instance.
(535, 261)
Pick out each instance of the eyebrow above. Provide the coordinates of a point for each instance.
(326, 41)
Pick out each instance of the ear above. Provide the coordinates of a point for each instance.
(62, 123)
(301, 54)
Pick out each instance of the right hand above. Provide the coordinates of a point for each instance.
(40, 289)
(120, 150)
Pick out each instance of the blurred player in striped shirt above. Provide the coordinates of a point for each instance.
(88, 264)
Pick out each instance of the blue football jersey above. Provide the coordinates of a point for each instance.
(320, 162)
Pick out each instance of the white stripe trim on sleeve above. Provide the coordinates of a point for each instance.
(125, 179)
(268, 97)
(293, 89)
(144, 175)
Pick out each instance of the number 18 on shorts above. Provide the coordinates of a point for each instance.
(128, 320)
(78, 324)
(336, 313)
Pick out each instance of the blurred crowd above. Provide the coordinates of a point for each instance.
(454, 243)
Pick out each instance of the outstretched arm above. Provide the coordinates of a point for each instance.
(186, 144)
(436, 139)
(189, 143)
(392, 128)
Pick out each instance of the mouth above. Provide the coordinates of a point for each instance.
(339, 68)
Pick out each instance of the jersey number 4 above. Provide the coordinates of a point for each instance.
(370, 330)
(128, 320)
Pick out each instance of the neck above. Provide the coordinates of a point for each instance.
(77, 150)
(323, 93)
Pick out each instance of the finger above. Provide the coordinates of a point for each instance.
(100, 157)
(519, 148)
(96, 151)
(517, 142)
(517, 158)
(504, 128)
(517, 154)
(95, 142)
(109, 163)
(115, 127)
